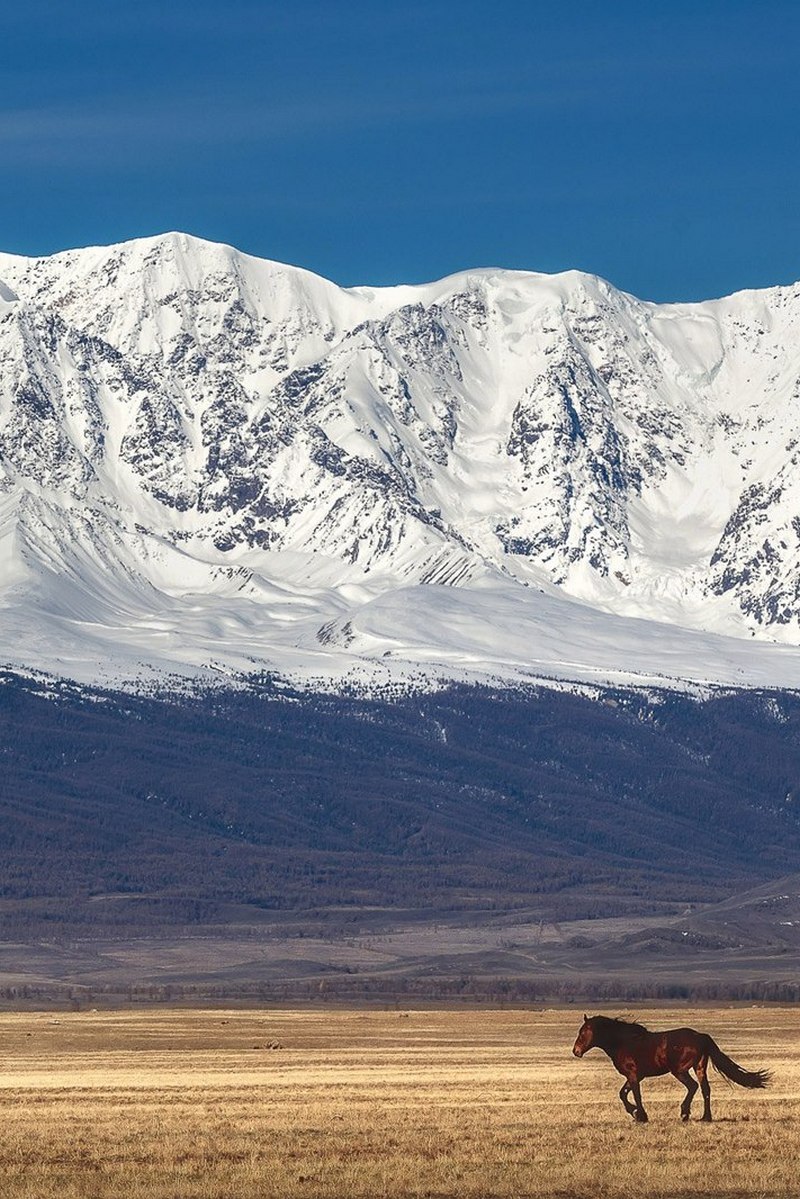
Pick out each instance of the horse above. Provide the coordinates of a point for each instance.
(638, 1053)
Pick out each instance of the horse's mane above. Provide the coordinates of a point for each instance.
(616, 1023)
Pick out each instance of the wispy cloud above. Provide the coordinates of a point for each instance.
(170, 123)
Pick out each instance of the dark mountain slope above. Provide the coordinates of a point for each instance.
(214, 808)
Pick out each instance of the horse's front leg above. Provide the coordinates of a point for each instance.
(624, 1092)
(639, 1114)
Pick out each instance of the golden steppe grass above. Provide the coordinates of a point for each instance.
(176, 1104)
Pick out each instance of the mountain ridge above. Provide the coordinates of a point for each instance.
(209, 461)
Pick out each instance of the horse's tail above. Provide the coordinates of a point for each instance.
(727, 1066)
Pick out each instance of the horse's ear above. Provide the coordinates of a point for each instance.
(585, 1018)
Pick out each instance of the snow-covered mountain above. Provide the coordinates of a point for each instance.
(212, 461)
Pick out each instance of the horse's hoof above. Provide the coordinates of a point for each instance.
(641, 1117)
(684, 1117)
(705, 1119)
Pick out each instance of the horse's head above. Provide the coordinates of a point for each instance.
(585, 1038)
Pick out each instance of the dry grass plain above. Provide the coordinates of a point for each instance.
(175, 1104)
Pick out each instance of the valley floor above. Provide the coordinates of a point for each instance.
(339, 1103)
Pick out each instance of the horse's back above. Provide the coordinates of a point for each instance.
(671, 1052)
(685, 1047)
(687, 1036)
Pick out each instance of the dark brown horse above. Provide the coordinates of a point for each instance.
(638, 1053)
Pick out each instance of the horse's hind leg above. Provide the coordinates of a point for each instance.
(701, 1070)
(691, 1090)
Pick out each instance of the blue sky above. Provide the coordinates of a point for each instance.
(653, 143)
